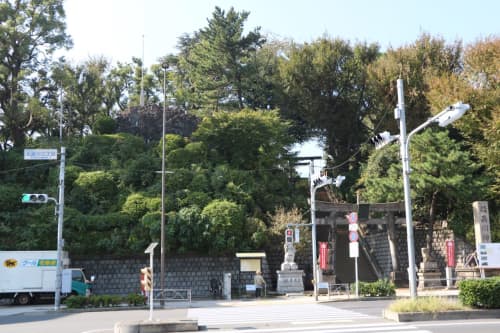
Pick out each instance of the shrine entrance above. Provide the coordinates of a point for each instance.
(332, 228)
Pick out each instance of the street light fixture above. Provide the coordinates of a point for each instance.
(162, 225)
(444, 118)
(314, 185)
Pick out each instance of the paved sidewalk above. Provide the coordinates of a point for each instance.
(8, 310)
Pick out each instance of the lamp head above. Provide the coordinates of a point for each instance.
(452, 113)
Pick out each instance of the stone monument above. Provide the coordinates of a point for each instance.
(429, 275)
(290, 277)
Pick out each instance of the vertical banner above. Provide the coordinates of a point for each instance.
(323, 255)
(450, 253)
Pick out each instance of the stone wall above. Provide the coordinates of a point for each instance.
(380, 245)
(117, 276)
(120, 276)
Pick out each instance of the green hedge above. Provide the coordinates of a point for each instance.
(482, 293)
(97, 301)
(378, 288)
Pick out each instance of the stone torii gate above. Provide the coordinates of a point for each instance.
(333, 214)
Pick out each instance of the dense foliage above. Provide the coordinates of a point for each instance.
(244, 100)
(480, 293)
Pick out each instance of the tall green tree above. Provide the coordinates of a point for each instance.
(416, 63)
(444, 180)
(325, 86)
(216, 62)
(478, 84)
(30, 32)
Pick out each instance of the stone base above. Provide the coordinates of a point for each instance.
(290, 281)
(429, 280)
(400, 278)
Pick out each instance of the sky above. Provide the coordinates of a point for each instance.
(149, 29)
(118, 29)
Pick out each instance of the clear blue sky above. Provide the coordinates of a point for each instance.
(114, 28)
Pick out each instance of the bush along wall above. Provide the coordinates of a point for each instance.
(480, 293)
(378, 288)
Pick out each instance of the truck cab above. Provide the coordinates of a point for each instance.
(79, 283)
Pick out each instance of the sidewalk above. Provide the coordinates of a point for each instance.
(8, 310)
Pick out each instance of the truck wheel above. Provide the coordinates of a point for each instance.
(23, 299)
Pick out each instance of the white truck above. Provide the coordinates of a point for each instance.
(26, 276)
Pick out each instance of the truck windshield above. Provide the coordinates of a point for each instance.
(77, 275)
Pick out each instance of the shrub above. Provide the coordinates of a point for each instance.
(378, 288)
(425, 304)
(136, 299)
(74, 301)
(480, 293)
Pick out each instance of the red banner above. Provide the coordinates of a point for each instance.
(323, 255)
(450, 253)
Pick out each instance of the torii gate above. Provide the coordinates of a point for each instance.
(333, 214)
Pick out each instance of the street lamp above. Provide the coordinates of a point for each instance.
(444, 118)
(314, 185)
(162, 225)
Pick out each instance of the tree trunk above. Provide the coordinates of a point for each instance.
(432, 217)
(391, 234)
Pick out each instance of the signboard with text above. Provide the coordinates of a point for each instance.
(489, 255)
(481, 222)
(40, 154)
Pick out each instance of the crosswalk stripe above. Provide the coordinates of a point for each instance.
(297, 313)
(366, 328)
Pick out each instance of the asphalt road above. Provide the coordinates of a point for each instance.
(267, 316)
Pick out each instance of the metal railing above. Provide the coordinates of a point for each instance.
(334, 289)
(172, 295)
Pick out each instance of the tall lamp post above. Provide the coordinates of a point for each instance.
(162, 225)
(314, 185)
(444, 118)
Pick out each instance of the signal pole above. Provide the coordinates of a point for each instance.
(60, 241)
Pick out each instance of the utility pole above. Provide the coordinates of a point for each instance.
(60, 221)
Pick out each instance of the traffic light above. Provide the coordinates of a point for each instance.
(383, 139)
(288, 236)
(147, 278)
(34, 198)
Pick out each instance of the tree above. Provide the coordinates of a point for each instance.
(246, 139)
(416, 64)
(30, 32)
(479, 85)
(444, 180)
(325, 87)
(214, 62)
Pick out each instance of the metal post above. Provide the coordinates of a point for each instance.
(356, 272)
(313, 230)
(162, 232)
(406, 181)
(60, 220)
(151, 301)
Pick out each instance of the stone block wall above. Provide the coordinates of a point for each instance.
(117, 276)
(380, 245)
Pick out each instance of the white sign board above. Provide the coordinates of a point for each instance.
(353, 227)
(489, 255)
(40, 154)
(66, 281)
(354, 249)
(297, 235)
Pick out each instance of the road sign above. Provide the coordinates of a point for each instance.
(353, 249)
(297, 235)
(353, 236)
(40, 154)
(352, 217)
(353, 227)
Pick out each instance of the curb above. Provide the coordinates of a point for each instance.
(445, 315)
(147, 326)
